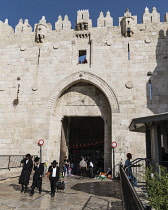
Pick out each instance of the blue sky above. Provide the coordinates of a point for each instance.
(33, 10)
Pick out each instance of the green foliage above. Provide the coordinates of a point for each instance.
(157, 186)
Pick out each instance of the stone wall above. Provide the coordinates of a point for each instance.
(38, 66)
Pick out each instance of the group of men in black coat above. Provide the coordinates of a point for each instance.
(26, 171)
(37, 177)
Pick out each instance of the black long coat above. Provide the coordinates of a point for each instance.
(57, 172)
(26, 171)
(37, 180)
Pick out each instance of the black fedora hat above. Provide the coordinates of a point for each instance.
(54, 162)
(36, 159)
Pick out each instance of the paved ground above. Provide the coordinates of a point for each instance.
(86, 194)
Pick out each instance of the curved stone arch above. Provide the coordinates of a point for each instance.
(86, 77)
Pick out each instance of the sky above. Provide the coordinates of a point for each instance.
(33, 10)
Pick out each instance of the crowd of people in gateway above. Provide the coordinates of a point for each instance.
(54, 172)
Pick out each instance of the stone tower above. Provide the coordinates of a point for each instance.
(83, 22)
(128, 24)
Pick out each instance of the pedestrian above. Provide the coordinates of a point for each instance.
(26, 171)
(91, 169)
(37, 177)
(53, 176)
(66, 166)
(128, 169)
(83, 167)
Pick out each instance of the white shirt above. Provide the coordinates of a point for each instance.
(54, 172)
(91, 164)
(27, 161)
(37, 166)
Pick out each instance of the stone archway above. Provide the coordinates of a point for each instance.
(57, 113)
(88, 77)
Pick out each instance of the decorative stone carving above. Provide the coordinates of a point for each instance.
(59, 23)
(108, 20)
(129, 85)
(147, 40)
(6, 28)
(155, 16)
(66, 23)
(41, 30)
(56, 46)
(128, 24)
(26, 26)
(34, 87)
(23, 48)
(83, 21)
(23, 27)
(100, 20)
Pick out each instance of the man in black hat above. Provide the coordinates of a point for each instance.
(54, 176)
(37, 178)
(26, 171)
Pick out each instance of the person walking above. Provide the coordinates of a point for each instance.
(91, 169)
(128, 169)
(83, 167)
(26, 171)
(53, 176)
(37, 177)
(66, 166)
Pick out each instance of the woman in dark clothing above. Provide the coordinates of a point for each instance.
(26, 171)
(37, 178)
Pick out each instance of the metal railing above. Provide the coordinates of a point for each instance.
(165, 164)
(11, 161)
(138, 173)
(130, 197)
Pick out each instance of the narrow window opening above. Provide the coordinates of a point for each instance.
(128, 22)
(104, 23)
(151, 19)
(150, 90)
(85, 26)
(128, 52)
(82, 57)
(82, 16)
(128, 32)
(62, 26)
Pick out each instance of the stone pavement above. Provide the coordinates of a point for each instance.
(85, 194)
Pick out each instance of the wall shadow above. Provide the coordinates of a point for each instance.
(157, 85)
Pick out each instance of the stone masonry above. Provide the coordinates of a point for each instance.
(126, 72)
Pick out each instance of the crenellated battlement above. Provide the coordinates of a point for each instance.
(83, 16)
(128, 25)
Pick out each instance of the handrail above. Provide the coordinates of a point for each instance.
(137, 160)
(11, 161)
(130, 197)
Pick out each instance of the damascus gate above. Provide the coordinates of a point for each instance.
(79, 88)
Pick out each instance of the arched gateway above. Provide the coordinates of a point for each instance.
(80, 109)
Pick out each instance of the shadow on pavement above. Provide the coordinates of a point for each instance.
(108, 189)
(96, 203)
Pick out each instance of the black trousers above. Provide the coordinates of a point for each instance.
(53, 181)
(83, 171)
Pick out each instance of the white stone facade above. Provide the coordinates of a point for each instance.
(38, 66)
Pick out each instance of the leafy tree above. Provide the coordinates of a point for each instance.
(157, 186)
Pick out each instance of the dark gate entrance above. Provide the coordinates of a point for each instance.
(84, 137)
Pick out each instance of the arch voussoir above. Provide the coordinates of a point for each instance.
(90, 78)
